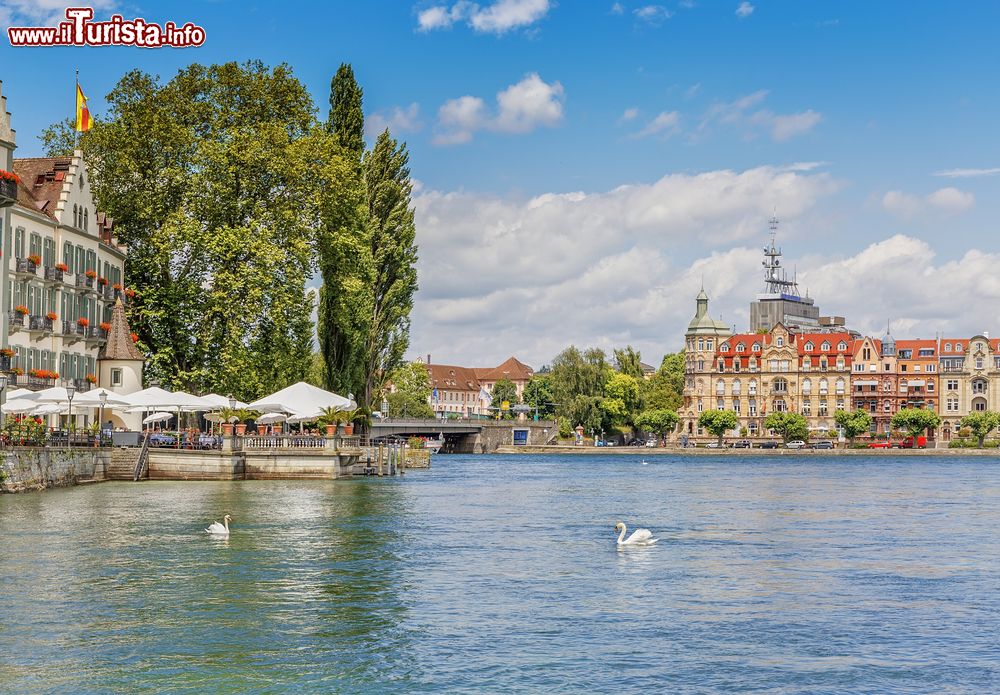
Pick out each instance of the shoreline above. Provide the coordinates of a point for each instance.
(692, 451)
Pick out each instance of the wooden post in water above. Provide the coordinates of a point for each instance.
(402, 460)
(380, 459)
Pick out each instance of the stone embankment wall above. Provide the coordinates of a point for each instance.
(23, 469)
(740, 453)
(498, 433)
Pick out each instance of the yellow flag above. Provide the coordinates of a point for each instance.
(84, 120)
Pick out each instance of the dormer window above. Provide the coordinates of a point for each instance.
(809, 347)
(740, 347)
(779, 341)
(842, 346)
(724, 347)
(947, 347)
(756, 347)
(825, 347)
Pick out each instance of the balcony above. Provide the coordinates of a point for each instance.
(73, 332)
(83, 282)
(8, 192)
(15, 321)
(94, 334)
(5, 363)
(39, 324)
(82, 385)
(53, 275)
(26, 381)
(25, 266)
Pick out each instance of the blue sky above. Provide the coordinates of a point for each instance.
(583, 165)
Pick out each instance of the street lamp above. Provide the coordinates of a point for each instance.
(232, 403)
(3, 389)
(100, 417)
(70, 392)
(385, 408)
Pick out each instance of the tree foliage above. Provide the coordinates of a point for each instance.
(854, 422)
(981, 423)
(504, 390)
(621, 398)
(659, 421)
(629, 362)
(915, 421)
(213, 181)
(411, 391)
(791, 426)
(538, 394)
(718, 422)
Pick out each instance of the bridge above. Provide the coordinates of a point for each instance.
(467, 436)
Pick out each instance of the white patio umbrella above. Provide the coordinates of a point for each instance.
(47, 409)
(19, 406)
(55, 394)
(300, 400)
(92, 398)
(271, 418)
(155, 398)
(157, 417)
(218, 401)
(18, 393)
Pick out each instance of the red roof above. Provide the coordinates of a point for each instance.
(42, 181)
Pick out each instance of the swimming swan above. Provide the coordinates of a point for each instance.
(641, 536)
(217, 529)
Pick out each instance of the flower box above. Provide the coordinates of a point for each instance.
(63, 267)
(91, 378)
(8, 188)
(82, 322)
(105, 326)
(51, 316)
(102, 281)
(91, 274)
(7, 352)
(117, 287)
(21, 309)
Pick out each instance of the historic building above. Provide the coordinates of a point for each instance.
(64, 271)
(466, 391)
(969, 378)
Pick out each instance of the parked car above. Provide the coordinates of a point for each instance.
(908, 443)
(768, 445)
(795, 444)
(713, 445)
(825, 444)
(882, 444)
(743, 444)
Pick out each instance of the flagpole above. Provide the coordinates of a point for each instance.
(76, 114)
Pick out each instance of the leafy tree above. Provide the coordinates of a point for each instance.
(791, 426)
(718, 422)
(504, 390)
(586, 411)
(660, 421)
(343, 247)
(672, 369)
(60, 139)
(213, 181)
(538, 395)
(915, 421)
(980, 424)
(854, 422)
(576, 373)
(391, 274)
(411, 391)
(629, 362)
(621, 401)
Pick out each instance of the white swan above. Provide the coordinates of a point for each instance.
(641, 536)
(217, 529)
(645, 462)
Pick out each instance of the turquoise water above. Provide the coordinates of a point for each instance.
(495, 574)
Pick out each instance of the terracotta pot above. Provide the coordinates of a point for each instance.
(227, 429)
(331, 430)
(241, 428)
(348, 428)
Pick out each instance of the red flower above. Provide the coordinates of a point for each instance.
(116, 286)
(102, 281)
(9, 175)
(135, 337)
(17, 370)
(91, 378)
(21, 309)
(105, 326)
(35, 258)
(62, 266)
(130, 293)
(82, 321)
(51, 316)
(91, 274)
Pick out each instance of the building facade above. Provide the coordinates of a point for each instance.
(64, 272)
(969, 377)
(466, 391)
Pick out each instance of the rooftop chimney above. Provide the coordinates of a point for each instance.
(428, 358)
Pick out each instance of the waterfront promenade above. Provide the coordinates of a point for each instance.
(644, 452)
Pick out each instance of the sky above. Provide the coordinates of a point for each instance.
(583, 168)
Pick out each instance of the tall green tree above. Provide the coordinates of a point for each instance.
(391, 275)
(621, 399)
(629, 361)
(854, 422)
(718, 422)
(213, 181)
(981, 423)
(344, 247)
(659, 421)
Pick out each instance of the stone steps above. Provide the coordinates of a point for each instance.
(122, 466)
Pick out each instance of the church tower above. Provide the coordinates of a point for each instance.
(119, 364)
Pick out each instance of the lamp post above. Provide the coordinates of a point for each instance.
(70, 392)
(100, 418)
(385, 408)
(3, 390)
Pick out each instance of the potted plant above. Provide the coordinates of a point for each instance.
(62, 267)
(331, 419)
(91, 378)
(17, 371)
(21, 309)
(357, 417)
(227, 415)
(51, 316)
(35, 259)
(102, 281)
(117, 287)
(7, 352)
(8, 188)
(91, 274)
(83, 322)
(105, 326)
(243, 418)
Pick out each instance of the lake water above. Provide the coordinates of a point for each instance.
(501, 574)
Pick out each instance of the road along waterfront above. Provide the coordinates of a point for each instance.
(497, 573)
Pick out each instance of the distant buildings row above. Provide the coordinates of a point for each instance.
(815, 366)
(466, 391)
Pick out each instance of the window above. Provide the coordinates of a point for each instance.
(842, 346)
(931, 368)
(979, 363)
(806, 408)
(752, 408)
(887, 387)
(720, 386)
(840, 386)
(740, 347)
(780, 341)
(86, 219)
(952, 384)
(76, 215)
(926, 352)
(755, 347)
(736, 364)
(737, 387)
(859, 367)
(825, 347)
(780, 406)
(779, 385)
(958, 347)
(902, 367)
(947, 347)
(701, 343)
(722, 365)
(699, 405)
(709, 343)
(823, 412)
(752, 388)
(866, 354)
(886, 367)
(840, 404)
(701, 365)
(824, 386)
(806, 363)
(840, 363)
(823, 363)
(979, 386)
(806, 387)
(736, 406)
(724, 347)
(809, 347)
(930, 386)
(720, 404)
(979, 404)
(886, 406)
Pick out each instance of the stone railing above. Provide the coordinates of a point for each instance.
(281, 441)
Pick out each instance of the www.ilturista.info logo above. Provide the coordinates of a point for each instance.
(80, 30)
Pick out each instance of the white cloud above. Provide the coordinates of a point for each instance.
(629, 114)
(45, 12)
(654, 15)
(740, 114)
(944, 201)
(967, 173)
(744, 10)
(666, 123)
(617, 8)
(917, 294)
(397, 120)
(522, 107)
(530, 275)
(497, 18)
